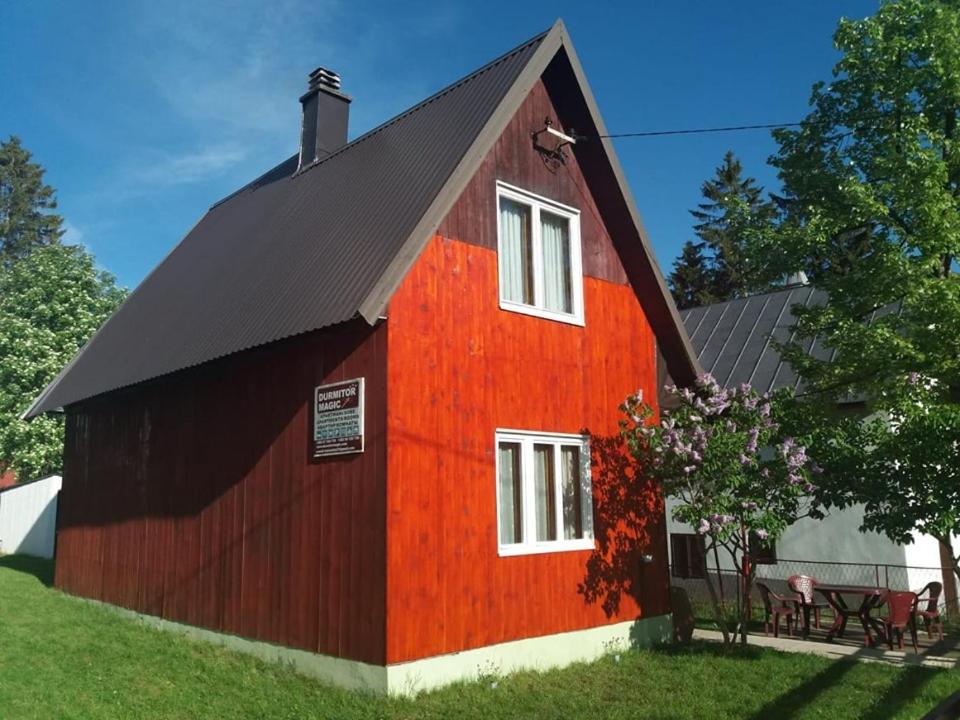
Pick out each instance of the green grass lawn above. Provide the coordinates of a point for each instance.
(62, 658)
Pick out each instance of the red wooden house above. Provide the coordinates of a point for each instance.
(364, 415)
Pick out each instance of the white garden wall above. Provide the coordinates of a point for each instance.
(28, 517)
(837, 539)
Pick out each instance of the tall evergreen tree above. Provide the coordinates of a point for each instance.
(733, 209)
(25, 204)
(733, 217)
(691, 280)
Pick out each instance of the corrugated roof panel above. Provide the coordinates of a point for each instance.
(733, 338)
(741, 334)
(290, 253)
(728, 316)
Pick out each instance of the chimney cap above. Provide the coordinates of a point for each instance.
(322, 77)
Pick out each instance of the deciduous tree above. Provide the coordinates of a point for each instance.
(873, 177)
(51, 302)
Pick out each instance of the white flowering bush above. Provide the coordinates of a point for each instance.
(721, 454)
(51, 302)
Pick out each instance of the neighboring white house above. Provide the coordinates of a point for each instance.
(28, 517)
(733, 342)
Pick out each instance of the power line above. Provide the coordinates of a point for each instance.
(699, 131)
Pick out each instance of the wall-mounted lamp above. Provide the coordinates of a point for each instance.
(553, 142)
(646, 559)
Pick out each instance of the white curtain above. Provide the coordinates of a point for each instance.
(544, 492)
(515, 252)
(572, 493)
(510, 506)
(556, 262)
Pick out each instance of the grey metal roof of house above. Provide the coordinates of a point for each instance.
(732, 339)
(294, 252)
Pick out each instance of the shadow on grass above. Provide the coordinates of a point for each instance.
(791, 703)
(40, 568)
(737, 652)
(907, 687)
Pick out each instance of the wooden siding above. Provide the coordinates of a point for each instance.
(473, 218)
(193, 498)
(459, 367)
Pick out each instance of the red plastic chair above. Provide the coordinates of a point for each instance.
(776, 606)
(903, 607)
(803, 585)
(931, 614)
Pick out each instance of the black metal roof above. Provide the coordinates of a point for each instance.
(732, 339)
(297, 251)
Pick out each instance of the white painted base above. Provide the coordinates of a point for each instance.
(538, 653)
(410, 678)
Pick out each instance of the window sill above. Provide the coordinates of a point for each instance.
(568, 318)
(547, 547)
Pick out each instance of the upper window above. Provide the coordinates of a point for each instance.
(539, 252)
(544, 494)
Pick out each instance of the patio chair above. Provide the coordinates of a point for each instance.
(803, 585)
(931, 614)
(777, 606)
(902, 605)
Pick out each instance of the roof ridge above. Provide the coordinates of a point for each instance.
(395, 119)
(766, 293)
(423, 103)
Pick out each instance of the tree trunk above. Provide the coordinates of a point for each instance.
(950, 593)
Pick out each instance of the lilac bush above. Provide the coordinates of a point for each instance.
(720, 453)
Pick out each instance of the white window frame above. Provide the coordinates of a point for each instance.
(536, 203)
(530, 545)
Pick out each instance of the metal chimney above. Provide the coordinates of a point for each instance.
(325, 114)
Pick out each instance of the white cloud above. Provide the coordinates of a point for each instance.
(189, 167)
(72, 235)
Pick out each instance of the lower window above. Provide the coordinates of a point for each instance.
(686, 555)
(544, 497)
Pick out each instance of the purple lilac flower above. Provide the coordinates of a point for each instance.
(762, 534)
(809, 487)
(748, 505)
(745, 460)
(913, 378)
(704, 527)
(689, 469)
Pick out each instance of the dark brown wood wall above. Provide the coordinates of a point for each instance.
(473, 218)
(192, 498)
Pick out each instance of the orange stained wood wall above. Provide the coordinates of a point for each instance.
(458, 368)
(192, 498)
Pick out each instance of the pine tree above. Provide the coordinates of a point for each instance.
(691, 280)
(25, 202)
(733, 210)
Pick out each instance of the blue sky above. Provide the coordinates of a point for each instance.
(145, 113)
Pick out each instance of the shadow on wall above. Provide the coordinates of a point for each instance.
(171, 447)
(630, 559)
(39, 539)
